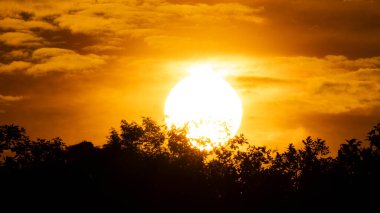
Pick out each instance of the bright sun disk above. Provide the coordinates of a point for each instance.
(207, 104)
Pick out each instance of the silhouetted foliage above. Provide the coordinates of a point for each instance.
(146, 167)
(374, 137)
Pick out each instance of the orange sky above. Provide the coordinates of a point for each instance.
(76, 68)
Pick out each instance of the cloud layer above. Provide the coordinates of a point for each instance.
(301, 65)
(302, 95)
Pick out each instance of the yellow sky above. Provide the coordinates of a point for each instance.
(76, 68)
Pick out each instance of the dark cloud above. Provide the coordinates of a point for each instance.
(337, 127)
(314, 28)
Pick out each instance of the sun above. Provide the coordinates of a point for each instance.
(207, 104)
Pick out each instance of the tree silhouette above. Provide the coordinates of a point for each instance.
(374, 137)
(147, 167)
(350, 157)
(288, 164)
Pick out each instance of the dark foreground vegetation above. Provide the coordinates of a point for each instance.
(148, 168)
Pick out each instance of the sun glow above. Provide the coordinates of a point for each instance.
(207, 104)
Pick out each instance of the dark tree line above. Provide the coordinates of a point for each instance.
(146, 167)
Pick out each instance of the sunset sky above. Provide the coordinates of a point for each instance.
(74, 68)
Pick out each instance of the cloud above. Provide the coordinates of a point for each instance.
(22, 25)
(331, 84)
(133, 18)
(159, 24)
(9, 98)
(294, 27)
(6, 100)
(258, 81)
(113, 27)
(152, 20)
(337, 127)
(364, 74)
(20, 39)
(17, 54)
(63, 60)
(46, 53)
(14, 66)
(302, 58)
(46, 60)
(286, 99)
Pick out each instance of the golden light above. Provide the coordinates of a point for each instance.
(207, 104)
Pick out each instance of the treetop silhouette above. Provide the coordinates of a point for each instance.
(148, 166)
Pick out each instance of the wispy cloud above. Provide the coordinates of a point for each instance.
(10, 98)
